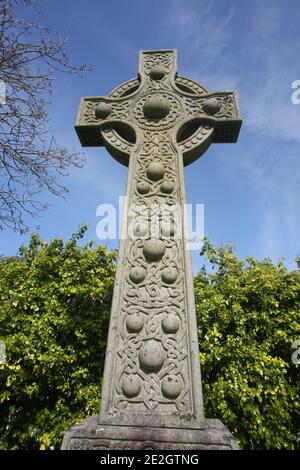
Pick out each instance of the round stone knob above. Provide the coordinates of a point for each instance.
(154, 249)
(211, 106)
(156, 107)
(167, 187)
(169, 275)
(131, 385)
(143, 187)
(152, 356)
(134, 323)
(102, 110)
(170, 324)
(171, 386)
(155, 171)
(137, 274)
(157, 72)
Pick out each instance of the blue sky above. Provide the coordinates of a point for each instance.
(251, 189)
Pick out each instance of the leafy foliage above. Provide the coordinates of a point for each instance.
(54, 312)
(248, 317)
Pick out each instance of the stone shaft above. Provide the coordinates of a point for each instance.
(152, 373)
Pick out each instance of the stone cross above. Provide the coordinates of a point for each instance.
(152, 393)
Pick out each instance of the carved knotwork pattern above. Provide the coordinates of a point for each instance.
(152, 301)
(119, 111)
(83, 443)
(227, 108)
(203, 132)
(164, 59)
(152, 369)
(112, 138)
(179, 109)
(176, 109)
(124, 88)
(156, 144)
(191, 85)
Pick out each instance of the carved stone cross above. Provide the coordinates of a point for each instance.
(152, 394)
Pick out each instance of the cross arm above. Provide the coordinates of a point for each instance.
(220, 109)
(97, 113)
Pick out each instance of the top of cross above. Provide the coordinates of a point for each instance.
(159, 99)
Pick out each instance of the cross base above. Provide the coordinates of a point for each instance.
(89, 435)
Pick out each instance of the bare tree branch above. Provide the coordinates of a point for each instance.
(30, 159)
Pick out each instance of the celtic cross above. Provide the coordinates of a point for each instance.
(155, 125)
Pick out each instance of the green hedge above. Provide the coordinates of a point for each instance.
(54, 313)
(248, 317)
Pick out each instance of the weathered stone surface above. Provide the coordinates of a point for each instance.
(154, 249)
(167, 187)
(92, 436)
(211, 106)
(134, 323)
(102, 110)
(152, 389)
(155, 171)
(131, 385)
(169, 275)
(156, 107)
(157, 73)
(137, 274)
(170, 324)
(143, 187)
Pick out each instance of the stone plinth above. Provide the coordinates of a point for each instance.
(89, 435)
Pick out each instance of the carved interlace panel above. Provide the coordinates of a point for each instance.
(152, 364)
(152, 369)
(123, 444)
